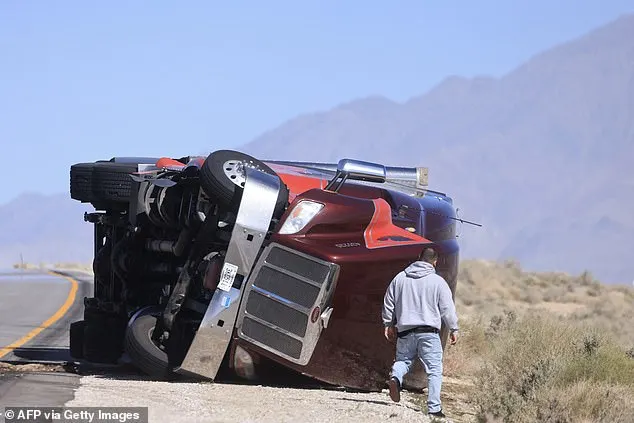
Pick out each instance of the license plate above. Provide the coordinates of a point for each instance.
(228, 275)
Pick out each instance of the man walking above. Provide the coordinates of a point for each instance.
(416, 302)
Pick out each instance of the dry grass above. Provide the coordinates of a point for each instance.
(543, 347)
(539, 368)
(486, 289)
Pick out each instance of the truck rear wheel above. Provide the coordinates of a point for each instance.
(145, 354)
(104, 184)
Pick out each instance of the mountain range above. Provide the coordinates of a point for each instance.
(40, 228)
(539, 156)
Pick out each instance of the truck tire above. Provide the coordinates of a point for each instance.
(81, 182)
(112, 182)
(145, 354)
(102, 183)
(220, 179)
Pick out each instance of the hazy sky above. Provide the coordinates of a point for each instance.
(83, 80)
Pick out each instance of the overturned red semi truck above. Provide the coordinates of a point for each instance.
(227, 262)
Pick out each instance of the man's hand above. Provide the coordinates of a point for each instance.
(390, 333)
(453, 337)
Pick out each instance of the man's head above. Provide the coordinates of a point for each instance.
(429, 255)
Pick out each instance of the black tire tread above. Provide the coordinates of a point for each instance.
(101, 182)
(81, 182)
(112, 182)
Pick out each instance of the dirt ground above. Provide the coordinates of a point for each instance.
(30, 367)
(199, 402)
(233, 403)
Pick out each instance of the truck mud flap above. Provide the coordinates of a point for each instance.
(286, 303)
(253, 220)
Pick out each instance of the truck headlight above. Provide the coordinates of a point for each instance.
(299, 217)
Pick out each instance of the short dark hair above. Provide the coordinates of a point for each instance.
(429, 255)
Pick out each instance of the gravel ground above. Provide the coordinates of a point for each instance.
(29, 368)
(197, 402)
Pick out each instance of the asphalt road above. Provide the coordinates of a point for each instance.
(36, 309)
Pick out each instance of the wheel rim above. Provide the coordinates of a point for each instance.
(235, 172)
(150, 334)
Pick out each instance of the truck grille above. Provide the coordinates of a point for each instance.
(282, 292)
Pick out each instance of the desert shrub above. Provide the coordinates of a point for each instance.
(627, 291)
(515, 293)
(463, 358)
(500, 323)
(540, 368)
(512, 264)
(466, 277)
(467, 301)
(594, 289)
(599, 360)
(532, 297)
(585, 279)
(574, 297)
(555, 293)
(586, 402)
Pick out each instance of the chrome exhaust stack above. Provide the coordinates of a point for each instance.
(414, 176)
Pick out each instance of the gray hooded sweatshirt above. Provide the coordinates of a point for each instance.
(418, 296)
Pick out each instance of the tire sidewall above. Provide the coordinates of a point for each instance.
(145, 354)
(141, 330)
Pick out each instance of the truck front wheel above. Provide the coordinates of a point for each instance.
(145, 354)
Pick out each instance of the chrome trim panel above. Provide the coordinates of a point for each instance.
(275, 298)
(252, 223)
(313, 330)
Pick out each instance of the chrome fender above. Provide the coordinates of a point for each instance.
(253, 221)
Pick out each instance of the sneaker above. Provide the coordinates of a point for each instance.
(395, 389)
(437, 414)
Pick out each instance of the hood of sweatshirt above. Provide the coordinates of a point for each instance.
(419, 269)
